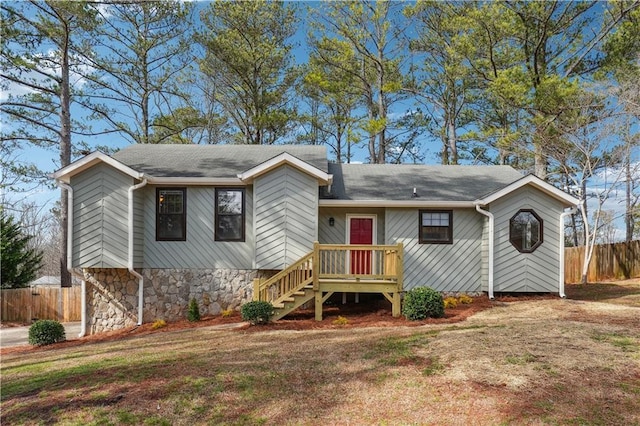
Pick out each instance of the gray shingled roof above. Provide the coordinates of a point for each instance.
(212, 161)
(350, 181)
(432, 183)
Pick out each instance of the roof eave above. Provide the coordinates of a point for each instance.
(396, 203)
(322, 177)
(535, 181)
(195, 181)
(66, 173)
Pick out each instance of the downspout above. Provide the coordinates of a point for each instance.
(491, 243)
(563, 215)
(130, 257)
(83, 295)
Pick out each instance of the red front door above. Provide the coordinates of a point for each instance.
(360, 232)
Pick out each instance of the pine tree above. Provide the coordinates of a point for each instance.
(20, 263)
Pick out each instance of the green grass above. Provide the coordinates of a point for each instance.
(391, 351)
(626, 343)
(523, 359)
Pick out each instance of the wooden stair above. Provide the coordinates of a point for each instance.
(293, 302)
(325, 270)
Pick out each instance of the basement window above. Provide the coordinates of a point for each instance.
(525, 231)
(171, 217)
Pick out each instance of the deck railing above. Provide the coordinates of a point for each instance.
(335, 262)
(285, 282)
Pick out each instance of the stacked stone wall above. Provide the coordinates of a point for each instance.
(112, 294)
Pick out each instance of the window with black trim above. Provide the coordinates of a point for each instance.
(171, 214)
(229, 214)
(525, 231)
(436, 227)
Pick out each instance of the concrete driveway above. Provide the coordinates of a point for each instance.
(18, 336)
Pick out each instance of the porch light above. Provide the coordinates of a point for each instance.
(332, 221)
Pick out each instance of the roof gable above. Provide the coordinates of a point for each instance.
(285, 158)
(536, 182)
(65, 173)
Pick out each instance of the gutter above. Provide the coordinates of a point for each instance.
(563, 215)
(130, 249)
(491, 243)
(83, 295)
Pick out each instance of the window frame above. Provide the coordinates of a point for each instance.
(423, 240)
(242, 215)
(183, 214)
(535, 246)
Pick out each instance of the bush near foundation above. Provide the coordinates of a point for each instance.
(257, 312)
(193, 314)
(421, 303)
(46, 332)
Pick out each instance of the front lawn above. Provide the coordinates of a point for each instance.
(544, 361)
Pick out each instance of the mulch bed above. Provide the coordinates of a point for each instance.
(372, 311)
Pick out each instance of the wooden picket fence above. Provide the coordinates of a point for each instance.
(27, 304)
(609, 261)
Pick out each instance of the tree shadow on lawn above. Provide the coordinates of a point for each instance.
(598, 292)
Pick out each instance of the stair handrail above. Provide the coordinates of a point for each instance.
(304, 265)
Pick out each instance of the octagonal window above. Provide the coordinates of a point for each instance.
(525, 231)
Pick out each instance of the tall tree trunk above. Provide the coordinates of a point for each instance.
(453, 141)
(65, 160)
(628, 217)
(540, 161)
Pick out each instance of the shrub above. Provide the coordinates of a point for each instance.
(450, 302)
(340, 321)
(257, 312)
(465, 300)
(46, 332)
(193, 314)
(159, 323)
(421, 303)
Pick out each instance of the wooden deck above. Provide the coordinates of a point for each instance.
(331, 268)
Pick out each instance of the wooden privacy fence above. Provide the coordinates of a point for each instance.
(26, 304)
(609, 261)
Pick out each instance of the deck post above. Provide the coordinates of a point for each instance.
(316, 266)
(256, 289)
(396, 307)
(319, 303)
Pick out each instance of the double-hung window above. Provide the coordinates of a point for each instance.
(229, 209)
(171, 214)
(436, 226)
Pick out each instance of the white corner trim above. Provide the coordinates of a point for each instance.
(536, 182)
(285, 158)
(78, 166)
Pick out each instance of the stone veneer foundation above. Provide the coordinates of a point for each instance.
(112, 294)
